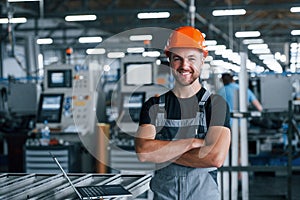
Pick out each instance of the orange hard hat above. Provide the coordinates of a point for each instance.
(186, 36)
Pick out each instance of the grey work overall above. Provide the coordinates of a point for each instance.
(176, 181)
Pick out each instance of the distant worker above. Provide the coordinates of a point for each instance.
(185, 131)
(230, 90)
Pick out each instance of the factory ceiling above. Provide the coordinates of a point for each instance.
(45, 18)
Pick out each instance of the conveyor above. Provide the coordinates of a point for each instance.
(55, 186)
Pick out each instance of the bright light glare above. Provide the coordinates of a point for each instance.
(96, 51)
(151, 54)
(44, 41)
(17, 20)
(242, 34)
(274, 65)
(266, 56)
(295, 9)
(215, 48)
(257, 46)
(116, 55)
(228, 12)
(90, 39)
(261, 51)
(140, 37)
(106, 68)
(135, 49)
(210, 42)
(153, 15)
(73, 18)
(253, 41)
(295, 32)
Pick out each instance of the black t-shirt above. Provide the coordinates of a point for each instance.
(217, 110)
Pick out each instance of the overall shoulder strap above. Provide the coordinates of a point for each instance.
(204, 98)
(161, 105)
(160, 117)
(202, 128)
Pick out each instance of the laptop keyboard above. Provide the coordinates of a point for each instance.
(91, 191)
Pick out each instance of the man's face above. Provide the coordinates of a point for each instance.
(186, 64)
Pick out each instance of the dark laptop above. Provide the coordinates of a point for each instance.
(97, 191)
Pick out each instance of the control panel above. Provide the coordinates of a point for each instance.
(78, 84)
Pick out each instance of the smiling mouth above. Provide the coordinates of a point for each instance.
(184, 72)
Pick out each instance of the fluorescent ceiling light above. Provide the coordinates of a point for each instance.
(210, 42)
(228, 12)
(135, 49)
(294, 45)
(282, 58)
(73, 18)
(295, 32)
(116, 55)
(16, 20)
(266, 56)
(227, 53)
(153, 15)
(95, 51)
(269, 61)
(257, 46)
(242, 34)
(90, 39)
(151, 54)
(235, 58)
(250, 65)
(217, 62)
(259, 69)
(44, 41)
(140, 37)
(277, 55)
(215, 48)
(219, 52)
(261, 51)
(253, 41)
(274, 65)
(295, 9)
(208, 59)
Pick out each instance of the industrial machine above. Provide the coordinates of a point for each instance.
(69, 98)
(68, 104)
(268, 134)
(18, 100)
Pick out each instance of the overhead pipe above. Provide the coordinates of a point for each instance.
(192, 10)
(211, 26)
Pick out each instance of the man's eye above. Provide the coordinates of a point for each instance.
(176, 58)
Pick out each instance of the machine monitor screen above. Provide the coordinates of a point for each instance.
(138, 73)
(59, 78)
(50, 108)
(131, 105)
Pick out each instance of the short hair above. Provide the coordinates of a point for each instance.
(227, 78)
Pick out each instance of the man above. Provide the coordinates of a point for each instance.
(186, 130)
(229, 93)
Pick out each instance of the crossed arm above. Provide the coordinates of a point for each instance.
(192, 152)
